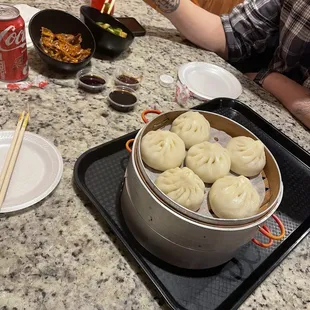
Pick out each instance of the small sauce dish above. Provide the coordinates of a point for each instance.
(127, 77)
(91, 81)
(122, 99)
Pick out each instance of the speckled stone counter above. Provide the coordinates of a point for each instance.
(60, 254)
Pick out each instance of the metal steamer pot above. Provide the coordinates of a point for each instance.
(181, 237)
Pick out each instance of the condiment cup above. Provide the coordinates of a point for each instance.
(120, 98)
(93, 86)
(130, 73)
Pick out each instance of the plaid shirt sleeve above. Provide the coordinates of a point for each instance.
(250, 26)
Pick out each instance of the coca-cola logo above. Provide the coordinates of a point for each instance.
(11, 40)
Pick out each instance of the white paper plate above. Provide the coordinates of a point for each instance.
(37, 172)
(207, 81)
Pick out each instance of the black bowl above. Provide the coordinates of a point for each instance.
(107, 44)
(61, 22)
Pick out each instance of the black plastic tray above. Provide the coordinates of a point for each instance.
(99, 174)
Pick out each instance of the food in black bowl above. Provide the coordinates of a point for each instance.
(112, 37)
(62, 40)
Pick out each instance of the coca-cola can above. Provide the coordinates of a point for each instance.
(13, 46)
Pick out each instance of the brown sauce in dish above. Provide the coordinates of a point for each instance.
(123, 97)
(127, 79)
(92, 80)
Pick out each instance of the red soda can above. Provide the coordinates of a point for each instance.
(13, 46)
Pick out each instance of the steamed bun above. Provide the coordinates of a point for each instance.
(210, 161)
(234, 198)
(183, 186)
(162, 150)
(192, 128)
(247, 156)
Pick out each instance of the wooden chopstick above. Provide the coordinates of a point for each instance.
(12, 161)
(111, 7)
(104, 3)
(11, 149)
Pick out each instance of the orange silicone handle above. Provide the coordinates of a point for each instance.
(128, 148)
(266, 232)
(144, 113)
(269, 235)
(261, 244)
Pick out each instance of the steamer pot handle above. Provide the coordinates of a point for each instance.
(266, 232)
(261, 244)
(144, 113)
(270, 235)
(128, 148)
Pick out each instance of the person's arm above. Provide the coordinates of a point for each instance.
(294, 97)
(249, 26)
(196, 24)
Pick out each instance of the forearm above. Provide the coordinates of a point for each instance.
(196, 24)
(293, 96)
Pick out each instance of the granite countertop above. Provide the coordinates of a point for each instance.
(59, 254)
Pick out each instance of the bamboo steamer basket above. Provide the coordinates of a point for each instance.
(271, 174)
